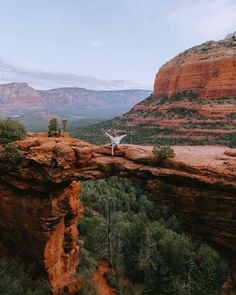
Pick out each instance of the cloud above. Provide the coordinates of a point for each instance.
(46, 80)
(203, 20)
(97, 44)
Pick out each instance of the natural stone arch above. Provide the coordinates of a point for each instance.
(39, 207)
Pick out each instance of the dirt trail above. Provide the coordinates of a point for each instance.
(100, 282)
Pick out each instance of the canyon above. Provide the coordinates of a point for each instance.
(40, 206)
(193, 102)
(20, 99)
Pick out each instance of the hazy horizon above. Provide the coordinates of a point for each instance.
(109, 44)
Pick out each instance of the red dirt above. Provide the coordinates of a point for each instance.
(102, 287)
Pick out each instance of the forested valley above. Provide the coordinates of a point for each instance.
(143, 244)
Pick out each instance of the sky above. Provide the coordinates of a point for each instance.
(108, 39)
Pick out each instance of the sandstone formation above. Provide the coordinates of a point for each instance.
(39, 206)
(208, 69)
(41, 227)
(193, 102)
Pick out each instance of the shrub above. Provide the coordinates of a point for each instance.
(12, 154)
(183, 112)
(232, 140)
(11, 130)
(53, 125)
(15, 279)
(161, 152)
(232, 115)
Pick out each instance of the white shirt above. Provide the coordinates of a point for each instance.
(115, 140)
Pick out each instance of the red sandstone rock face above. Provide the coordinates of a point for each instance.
(194, 93)
(42, 228)
(208, 70)
(209, 79)
(39, 208)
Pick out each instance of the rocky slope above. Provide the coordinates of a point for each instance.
(193, 102)
(199, 182)
(17, 99)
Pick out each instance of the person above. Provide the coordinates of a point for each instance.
(115, 140)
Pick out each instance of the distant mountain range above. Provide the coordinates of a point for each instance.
(32, 106)
(48, 80)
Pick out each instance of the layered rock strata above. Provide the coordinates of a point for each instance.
(193, 101)
(39, 206)
(208, 69)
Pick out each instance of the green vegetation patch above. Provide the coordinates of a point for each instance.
(11, 130)
(161, 152)
(182, 113)
(143, 244)
(16, 279)
(231, 140)
(12, 154)
(232, 115)
(152, 133)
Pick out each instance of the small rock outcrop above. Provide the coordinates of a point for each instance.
(39, 207)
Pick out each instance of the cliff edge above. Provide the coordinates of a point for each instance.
(40, 207)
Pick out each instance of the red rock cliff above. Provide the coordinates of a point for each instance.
(208, 70)
(39, 206)
(193, 102)
(194, 99)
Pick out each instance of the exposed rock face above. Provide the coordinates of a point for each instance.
(208, 70)
(194, 99)
(39, 208)
(28, 104)
(41, 227)
(19, 96)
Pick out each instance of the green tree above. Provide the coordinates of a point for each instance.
(11, 130)
(144, 244)
(12, 154)
(53, 126)
(15, 279)
(64, 124)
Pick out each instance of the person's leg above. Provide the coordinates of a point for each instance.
(112, 149)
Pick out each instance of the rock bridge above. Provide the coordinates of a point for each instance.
(39, 198)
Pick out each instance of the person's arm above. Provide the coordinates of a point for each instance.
(108, 135)
(119, 138)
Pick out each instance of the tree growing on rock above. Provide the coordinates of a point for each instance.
(64, 125)
(161, 152)
(11, 130)
(53, 127)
